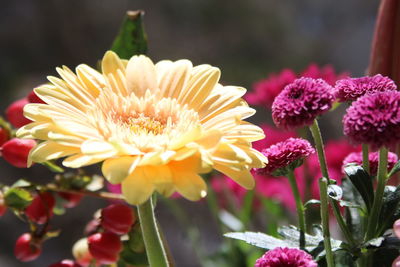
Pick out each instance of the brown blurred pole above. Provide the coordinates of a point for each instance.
(385, 52)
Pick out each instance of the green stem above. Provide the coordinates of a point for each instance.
(319, 145)
(323, 188)
(339, 218)
(376, 206)
(299, 207)
(155, 250)
(365, 157)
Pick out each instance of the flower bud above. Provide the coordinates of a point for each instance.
(117, 218)
(15, 113)
(16, 151)
(71, 199)
(105, 247)
(81, 253)
(3, 207)
(65, 263)
(4, 136)
(41, 208)
(25, 249)
(33, 98)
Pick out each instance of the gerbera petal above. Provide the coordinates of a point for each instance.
(137, 187)
(173, 76)
(140, 75)
(81, 160)
(50, 150)
(243, 177)
(189, 184)
(111, 63)
(115, 170)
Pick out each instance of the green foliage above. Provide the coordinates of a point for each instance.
(131, 39)
(17, 198)
(362, 181)
(390, 208)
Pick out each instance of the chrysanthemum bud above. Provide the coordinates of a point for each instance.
(117, 218)
(65, 263)
(81, 253)
(3, 207)
(105, 247)
(33, 98)
(286, 257)
(15, 113)
(41, 208)
(71, 199)
(4, 136)
(25, 249)
(16, 151)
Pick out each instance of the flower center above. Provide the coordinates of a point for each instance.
(141, 123)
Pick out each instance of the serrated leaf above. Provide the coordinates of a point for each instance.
(362, 181)
(17, 198)
(131, 39)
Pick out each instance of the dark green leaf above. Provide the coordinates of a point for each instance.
(131, 39)
(132, 257)
(17, 198)
(391, 204)
(343, 259)
(362, 181)
(395, 169)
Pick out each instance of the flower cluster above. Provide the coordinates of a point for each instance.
(374, 119)
(286, 257)
(351, 89)
(301, 102)
(373, 157)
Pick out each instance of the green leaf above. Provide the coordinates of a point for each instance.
(390, 208)
(17, 198)
(52, 166)
(395, 169)
(131, 39)
(343, 259)
(133, 258)
(362, 181)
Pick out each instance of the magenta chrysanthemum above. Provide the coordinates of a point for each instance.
(301, 102)
(285, 154)
(286, 257)
(374, 119)
(352, 88)
(373, 158)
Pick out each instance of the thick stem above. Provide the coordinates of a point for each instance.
(323, 190)
(319, 145)
(365, 157)
(155, 250)
(376, 206)
(300, 209)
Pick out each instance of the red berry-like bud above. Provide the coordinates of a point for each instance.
(4, 136)
(33, 98)
(105, 247)
(65, 263)
(16, 151)
(15, 113)
(71, 199)
(3, 207)
(25, 249)
(117, 218)
(41, 208)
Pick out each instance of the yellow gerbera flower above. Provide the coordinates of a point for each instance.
(154, 127)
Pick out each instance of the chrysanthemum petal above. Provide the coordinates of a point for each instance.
(137, 187)
(115, 170)
(140, 75)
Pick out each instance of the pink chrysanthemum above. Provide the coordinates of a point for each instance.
(265, 91)
(286, 257)
(373, 157)
(284, 154)
(301, 102)
(352, 88)
(374, 119)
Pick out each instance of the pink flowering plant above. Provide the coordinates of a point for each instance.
(285, 200)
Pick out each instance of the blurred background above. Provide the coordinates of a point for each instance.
(245, 39)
